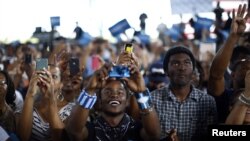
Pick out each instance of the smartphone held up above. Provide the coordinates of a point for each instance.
(74, 66)
(41, 63)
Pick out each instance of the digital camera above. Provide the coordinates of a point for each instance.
(119, 72)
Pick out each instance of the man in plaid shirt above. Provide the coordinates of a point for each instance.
(184, 111)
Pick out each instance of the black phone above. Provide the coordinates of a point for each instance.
(74, 66)
(41, 63)
(28, 58)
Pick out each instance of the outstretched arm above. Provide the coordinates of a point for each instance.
(151, 125)
(219, 65)
(26, 118)
(76, 125)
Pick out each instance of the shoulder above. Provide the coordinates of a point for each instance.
(159, 92)
(203, 96)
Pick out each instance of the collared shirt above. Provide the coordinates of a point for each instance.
(190, 117)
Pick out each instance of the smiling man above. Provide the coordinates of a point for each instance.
(183, 110)
(114, 124)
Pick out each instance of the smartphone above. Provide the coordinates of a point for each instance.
(129, 48)
(74, 67)
(1, 67)
(41, 63)
(28, 58)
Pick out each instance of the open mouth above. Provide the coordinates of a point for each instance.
(114, 103)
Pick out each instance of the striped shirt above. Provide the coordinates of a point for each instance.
(190, 117)
(40, 128)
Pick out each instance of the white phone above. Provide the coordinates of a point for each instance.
(1, 67)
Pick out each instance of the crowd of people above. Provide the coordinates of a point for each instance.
(168, 94)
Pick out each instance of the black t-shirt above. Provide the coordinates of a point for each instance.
(127, 130)
(223, 104)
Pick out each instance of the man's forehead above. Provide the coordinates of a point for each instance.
(177, 55)
(178, 58)
(114, 82)
(243, 62)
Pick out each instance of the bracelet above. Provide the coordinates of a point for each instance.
(243, 100)
(85, 100)
(145, 112)
(144, 99)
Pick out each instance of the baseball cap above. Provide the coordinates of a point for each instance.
(156, 73)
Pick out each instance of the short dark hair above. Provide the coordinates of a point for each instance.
(238, 53)
(177, 50)
(10, 94)
(128, 92)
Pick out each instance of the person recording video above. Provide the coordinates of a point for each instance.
(113, 94)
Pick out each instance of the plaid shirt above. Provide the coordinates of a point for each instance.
(190, 117)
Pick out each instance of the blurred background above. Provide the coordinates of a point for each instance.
(20, 18)
(95, 31)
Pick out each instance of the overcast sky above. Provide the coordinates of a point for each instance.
(18, 18)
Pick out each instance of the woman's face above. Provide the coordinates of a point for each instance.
(56, 76)
(71, 83)
(3, 87)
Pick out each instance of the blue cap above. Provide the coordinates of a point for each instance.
(156, 73)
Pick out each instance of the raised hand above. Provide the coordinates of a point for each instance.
(98, 79)
(127, 59)
(135, 82)
(173, 135)
(33, 85)
(47, 84)
(239, 21)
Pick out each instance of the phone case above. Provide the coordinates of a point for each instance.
(41, 63)
(129, 48)
(74, 66)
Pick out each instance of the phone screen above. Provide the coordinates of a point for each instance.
(74, 66)
(28, 58)
(41, 63)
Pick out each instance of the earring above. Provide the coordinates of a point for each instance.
(60, 96)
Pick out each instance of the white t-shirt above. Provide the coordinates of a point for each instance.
(19, 102)
(3, 135)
